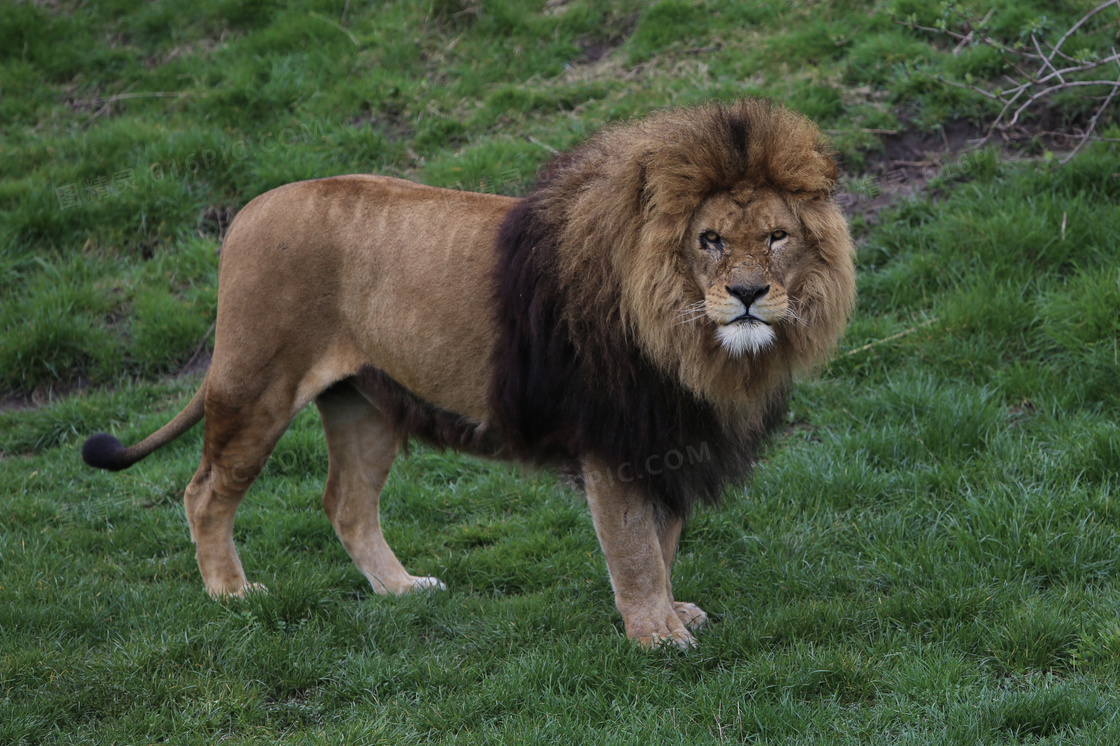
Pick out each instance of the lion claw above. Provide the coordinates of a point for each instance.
(241, 592)
(673, 629)
(681, 640)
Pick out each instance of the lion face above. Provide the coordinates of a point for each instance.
(743, 252)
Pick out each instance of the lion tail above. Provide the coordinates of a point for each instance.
(104, 451)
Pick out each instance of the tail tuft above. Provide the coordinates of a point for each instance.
(103, 451)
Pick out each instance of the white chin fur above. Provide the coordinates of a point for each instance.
(745, 337)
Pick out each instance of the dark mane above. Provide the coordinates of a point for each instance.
(590, 277)
(562, 390)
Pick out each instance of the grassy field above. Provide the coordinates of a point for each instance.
(927, 554)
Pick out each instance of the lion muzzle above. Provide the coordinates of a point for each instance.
(745, 314)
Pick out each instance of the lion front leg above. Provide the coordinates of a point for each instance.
(668, 535)
(627, 528)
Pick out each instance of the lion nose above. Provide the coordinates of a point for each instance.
(748, 294)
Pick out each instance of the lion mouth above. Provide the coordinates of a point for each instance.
(748, 318)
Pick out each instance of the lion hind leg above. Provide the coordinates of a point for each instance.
(362, 447)
(668, 536)
(236, 446)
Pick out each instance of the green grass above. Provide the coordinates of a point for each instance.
(124, 140)
(928, 553)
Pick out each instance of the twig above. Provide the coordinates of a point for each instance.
(107, 103)
(1081, 23)
(544, 145)
(201, 345)
(1092, 126)
(930, 29)
(141, 94)
(891, 338)
(974, 89)
(865, 130)
(1046, 61)
(972, 32)
(336, 25)
(1051, 89)
(1095, 138)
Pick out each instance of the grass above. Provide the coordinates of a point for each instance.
(926, 555)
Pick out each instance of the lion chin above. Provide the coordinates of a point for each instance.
(745, 337)
(636, 320)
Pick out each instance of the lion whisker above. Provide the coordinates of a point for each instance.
(690, 319)
(793, 315)
(691, 312)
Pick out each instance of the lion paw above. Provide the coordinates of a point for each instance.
(405, 584)
(681, 639)
(692, 615)
(663, 629)
(427, 584)
(240, 592)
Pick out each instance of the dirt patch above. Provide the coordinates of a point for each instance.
(196, 366)
(613, 33)
(41, 396)
(390, 123)
(214, 220)
(911, 158)
(18, 401)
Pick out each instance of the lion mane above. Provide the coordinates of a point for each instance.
(591, 357)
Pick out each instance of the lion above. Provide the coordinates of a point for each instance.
(652, 297)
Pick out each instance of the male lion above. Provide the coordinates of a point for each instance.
(652, 298)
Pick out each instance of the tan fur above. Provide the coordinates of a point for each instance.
(322, 279)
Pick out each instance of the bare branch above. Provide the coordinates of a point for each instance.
(1046, 61)
(1060, 87)
(1055, 71)
(1084, 18)
(1096, 117)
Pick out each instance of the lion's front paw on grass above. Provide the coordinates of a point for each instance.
(239, 592)
(692, 615)
(682, 640)
(667, 628)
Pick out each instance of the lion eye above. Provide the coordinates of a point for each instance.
(709, 237)
(777, 236)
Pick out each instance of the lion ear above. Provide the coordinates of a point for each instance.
(816, 174)
(807, 171)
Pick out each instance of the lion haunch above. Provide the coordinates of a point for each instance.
(653, 296)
